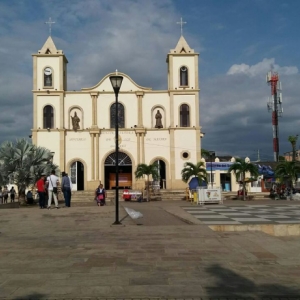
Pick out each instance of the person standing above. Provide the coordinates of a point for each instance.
(5, 194)
(51, 184)
(1, 195)
(12, 194)
(66, 186)
(40, 186)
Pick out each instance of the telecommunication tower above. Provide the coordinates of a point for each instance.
(275, 105)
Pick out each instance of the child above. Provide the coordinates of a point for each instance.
(100, 195)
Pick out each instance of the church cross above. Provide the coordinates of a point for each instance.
(50, 22)
(181, 25)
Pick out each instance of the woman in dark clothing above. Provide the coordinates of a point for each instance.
(100, 195)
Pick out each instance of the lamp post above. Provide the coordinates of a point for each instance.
(116, 82)
(211, 154)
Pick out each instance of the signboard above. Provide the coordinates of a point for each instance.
(222, 166)
(209, 195)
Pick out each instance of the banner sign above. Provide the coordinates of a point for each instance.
(222, 166)
(209, 195)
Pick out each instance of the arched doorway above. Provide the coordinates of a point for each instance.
(125, 171)
(77, 175)
(162, 173)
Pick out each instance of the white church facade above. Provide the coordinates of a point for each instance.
(154, 125)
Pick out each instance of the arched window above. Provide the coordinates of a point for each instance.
(48, 77)
(48, 117)
(184, 115)
(184, 76)
(121, 117)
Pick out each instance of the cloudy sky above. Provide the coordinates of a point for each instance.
(239, 42)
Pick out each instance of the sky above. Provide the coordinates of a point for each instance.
(239, 41)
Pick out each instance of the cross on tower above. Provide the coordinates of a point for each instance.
(50, 22)
(181, 23)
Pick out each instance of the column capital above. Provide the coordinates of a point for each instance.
(94, 93)
(95, 130)
(140, 93)
(140, 130)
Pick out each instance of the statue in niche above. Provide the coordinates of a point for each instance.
(75, 122)
(158, 118)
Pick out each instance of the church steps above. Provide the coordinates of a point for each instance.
(88, 196)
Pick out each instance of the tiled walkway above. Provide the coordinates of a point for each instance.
(246, 214)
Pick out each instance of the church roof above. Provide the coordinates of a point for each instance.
(49, 47)
(182, 47)
(127, 84)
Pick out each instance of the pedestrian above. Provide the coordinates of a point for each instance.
(100, 195)
(51, 184)
(1, 195)
(5, 194)
(12, 194)
(29, 197)
(66, 186)
(40, 186)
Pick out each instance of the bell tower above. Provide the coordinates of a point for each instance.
(49, 68)
(182, 67)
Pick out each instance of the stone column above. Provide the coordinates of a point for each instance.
(138, 148)
(140, 95)
(94, 96)
(172, 156)
(92, 156)
(143, 148)
(97, 156)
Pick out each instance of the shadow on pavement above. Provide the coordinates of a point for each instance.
(230, 284)
(34, 296)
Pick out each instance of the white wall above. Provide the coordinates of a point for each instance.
(189, 62)
(42, 63)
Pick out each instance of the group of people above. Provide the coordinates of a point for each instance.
(4, 193)
(47, 189)
(282, 192)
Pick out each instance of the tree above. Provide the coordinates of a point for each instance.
(281, 158)
(194, 170)
(240, 168)
(22, 164)
(288, 170)
(293, 140)
(143, 169)
(205, 153)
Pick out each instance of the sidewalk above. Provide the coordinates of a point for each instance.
(75, 253)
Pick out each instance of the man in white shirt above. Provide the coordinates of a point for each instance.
(51, 184)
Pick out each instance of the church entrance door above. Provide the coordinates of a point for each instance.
(77, 176)
(162, 173)
(125, 171)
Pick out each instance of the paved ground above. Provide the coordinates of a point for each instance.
(246, 214)
(75, 253)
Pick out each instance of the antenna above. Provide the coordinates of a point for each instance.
(275, 105)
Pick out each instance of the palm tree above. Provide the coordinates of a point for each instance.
(22, 164)
(240, 167)
(288, 169)
(205, 153)
(194, 170)
(293, 140)
(143, 169)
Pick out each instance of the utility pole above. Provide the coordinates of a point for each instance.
(274, 105)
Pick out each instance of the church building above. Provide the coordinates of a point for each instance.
(154, 125)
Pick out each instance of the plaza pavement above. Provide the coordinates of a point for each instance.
(75, 253)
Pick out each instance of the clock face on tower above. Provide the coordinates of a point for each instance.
(48, 71)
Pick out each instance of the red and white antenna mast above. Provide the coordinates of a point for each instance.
(275, 105)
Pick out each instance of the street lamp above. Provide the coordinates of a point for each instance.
(116, 82)
(211, 154)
